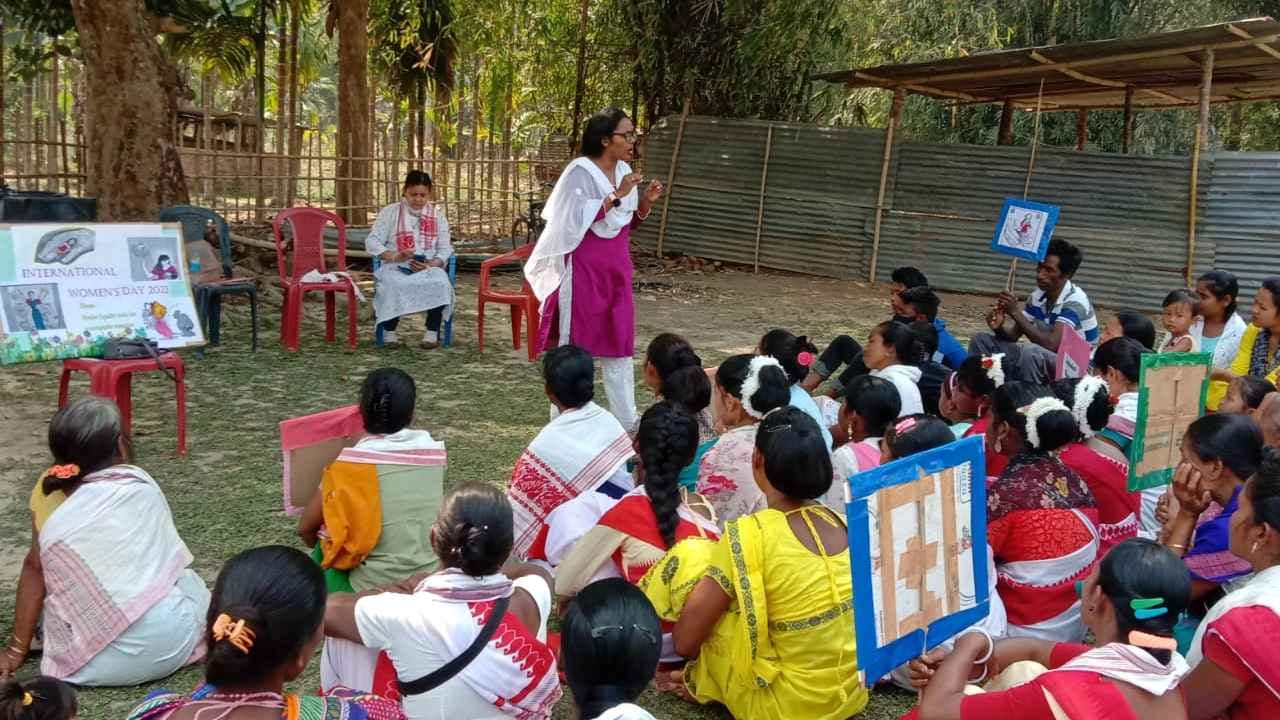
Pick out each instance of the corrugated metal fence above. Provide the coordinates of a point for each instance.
(1128, 213)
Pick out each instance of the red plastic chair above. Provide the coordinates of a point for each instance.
(114, 379)
(307, 225)
(523, 303)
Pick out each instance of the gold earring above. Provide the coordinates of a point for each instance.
(1254, 549)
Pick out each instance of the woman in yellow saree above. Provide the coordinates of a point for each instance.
(765, 614)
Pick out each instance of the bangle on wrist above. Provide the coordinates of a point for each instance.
(1176, 546)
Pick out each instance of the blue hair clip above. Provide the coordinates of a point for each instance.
(1147, 608)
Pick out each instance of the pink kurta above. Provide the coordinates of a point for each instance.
(601, 307)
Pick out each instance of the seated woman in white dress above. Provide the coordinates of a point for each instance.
(411, 238)
(107, 573)
(395, 641)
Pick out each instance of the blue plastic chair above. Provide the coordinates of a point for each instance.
(446, 332)
(208, 297)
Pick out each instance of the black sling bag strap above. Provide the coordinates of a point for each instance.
(440, 675)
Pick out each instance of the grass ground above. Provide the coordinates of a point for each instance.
(225, 493)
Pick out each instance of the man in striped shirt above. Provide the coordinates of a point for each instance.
(1056, 305)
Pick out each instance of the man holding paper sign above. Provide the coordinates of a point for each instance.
(1056, 305)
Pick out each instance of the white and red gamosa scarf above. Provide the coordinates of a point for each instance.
(110, 552)
(574, 453)
(515, 671)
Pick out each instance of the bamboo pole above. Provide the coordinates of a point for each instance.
(3, 78)
(764, 181)
(895, 114)
(671, 173)
(1026, 184)
(1128, 120)
(1082, 129)
(1202, 137)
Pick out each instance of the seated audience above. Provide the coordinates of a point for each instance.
(1131, 602)
(1257, 355)
(796, 355)
(1181, 313)
(1130, 324)
(750, 387)
(1119, 362)
(637, 531)
(367, 519)
(893, 352)
(932, 373)
(673, 371)
(1268, 418)
(1107, 478)
(1219, 453)
(425, 622)
(1245, 394)
(1220, 328)
(38, 698)
(845, 351)
(1041, 517)
(1235, 670)
(768, 625)
(1056, 304)
(922, 305)
(265, 622)
(106, 576)
(949, 408)
(914, 434)
(583, 449)
(609, 650)
(870, 406)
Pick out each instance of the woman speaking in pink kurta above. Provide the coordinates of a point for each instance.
(581, 269)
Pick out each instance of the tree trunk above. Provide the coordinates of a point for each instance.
(295, 134)
(260, 96)
(472, 194)
(414, 148)
(208, 160)
(353, 108)
(282, 104)
(4, 148)
(580, 88)
(51, 134)
(132, 103)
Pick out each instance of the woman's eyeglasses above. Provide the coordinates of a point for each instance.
(632, 136)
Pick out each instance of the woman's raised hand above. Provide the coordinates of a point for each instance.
(1189, 490)
(653, 192)
(629, 183)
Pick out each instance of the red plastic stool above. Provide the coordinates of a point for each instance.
(114, 379)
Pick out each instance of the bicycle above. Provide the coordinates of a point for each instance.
(530, 224)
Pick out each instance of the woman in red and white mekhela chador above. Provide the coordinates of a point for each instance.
(1041, 517)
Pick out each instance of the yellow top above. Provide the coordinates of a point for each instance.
(41, 505)
(1239, 367)
(785, 648)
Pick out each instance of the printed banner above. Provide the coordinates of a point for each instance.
(66, 289)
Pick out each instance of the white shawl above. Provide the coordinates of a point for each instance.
(1228, 342)
(570, 211)
(1263, 589)
(109, 552)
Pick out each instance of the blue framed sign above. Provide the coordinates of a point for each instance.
(1024, 229)
(918, 551)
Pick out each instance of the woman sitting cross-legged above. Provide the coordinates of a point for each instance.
(674, 372)
(369, 518)
(576, 465)
(265, 622)
(1131, 602)
(1107, 478)
(411, 239)
(766, 613)
(1041, 517)
(1235, 670)
(609, 648)
(422, 624)
(750, 386)
(106, 568)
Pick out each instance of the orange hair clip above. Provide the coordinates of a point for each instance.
(234, 631)
(64, 472)
(1151, 642)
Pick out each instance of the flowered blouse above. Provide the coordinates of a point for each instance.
(726, 478)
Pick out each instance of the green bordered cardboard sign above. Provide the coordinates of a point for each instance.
(1171, 395)
(66, 289)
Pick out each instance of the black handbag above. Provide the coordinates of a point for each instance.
(440, 675)
(136, 349)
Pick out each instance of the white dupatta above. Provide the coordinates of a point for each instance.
(572, 454)
(570, 211)
(109, 553)
(1263, 589)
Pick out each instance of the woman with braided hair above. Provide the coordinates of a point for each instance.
(368, 521)
(673, 371)
(637, 531)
